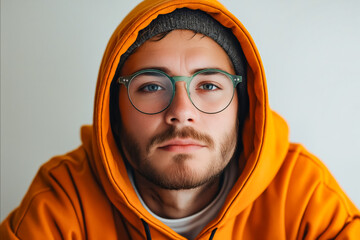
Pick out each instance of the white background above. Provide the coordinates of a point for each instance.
(51, 52)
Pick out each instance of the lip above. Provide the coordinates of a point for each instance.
(181, 145)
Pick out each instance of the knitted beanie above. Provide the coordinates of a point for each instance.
(199, 22)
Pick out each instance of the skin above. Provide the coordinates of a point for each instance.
(178, 155)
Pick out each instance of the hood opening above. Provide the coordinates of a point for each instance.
(260, 158)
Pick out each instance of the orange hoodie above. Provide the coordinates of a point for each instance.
(283, 192)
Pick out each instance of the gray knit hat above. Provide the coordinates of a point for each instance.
(197, 21)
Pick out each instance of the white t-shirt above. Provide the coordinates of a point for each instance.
(191, 226)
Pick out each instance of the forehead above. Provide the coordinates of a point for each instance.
(179, 51)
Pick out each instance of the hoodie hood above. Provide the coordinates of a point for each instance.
(265, 134)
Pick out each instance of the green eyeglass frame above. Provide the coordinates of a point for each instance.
(126, 80)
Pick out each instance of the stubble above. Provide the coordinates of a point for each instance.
(180, 175)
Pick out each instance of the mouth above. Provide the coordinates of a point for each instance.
(181, 145)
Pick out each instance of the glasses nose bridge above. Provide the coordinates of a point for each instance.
(184, 79)
(181, 79)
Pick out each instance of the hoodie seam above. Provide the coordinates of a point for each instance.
(325, 183)
(35, 195)
(303, 213)
(322, 182)
(346, 222)
(322, 169)
(48, 189)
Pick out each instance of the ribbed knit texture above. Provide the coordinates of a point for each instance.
(199, 22)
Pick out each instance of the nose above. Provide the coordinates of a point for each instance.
(181, 111)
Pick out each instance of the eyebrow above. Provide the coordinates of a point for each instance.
(163, 69)
(168, 71)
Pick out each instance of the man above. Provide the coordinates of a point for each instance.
(184, 145)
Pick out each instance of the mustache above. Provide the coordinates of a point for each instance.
(186, 132)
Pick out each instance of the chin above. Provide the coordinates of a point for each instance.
(183, 173)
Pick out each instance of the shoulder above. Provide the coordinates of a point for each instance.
(308, 173)
(52, 198)
(313, 199)
(308, 169)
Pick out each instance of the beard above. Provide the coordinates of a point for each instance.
(180, 175)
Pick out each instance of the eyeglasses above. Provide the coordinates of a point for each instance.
(151, 91)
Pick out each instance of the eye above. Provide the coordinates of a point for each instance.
(208, 87)
(151, 88)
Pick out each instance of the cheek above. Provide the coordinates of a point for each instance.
(225, 122)
(221, 128)
(140, 126)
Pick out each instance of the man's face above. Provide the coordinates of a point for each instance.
(181, 147)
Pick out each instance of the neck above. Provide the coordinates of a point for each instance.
(176, 203)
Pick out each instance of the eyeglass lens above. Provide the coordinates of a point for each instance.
(152, 92)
